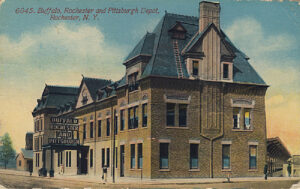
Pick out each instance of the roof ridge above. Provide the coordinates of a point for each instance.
(93, 78)
(192, 39)
(62, 86)
(143, 45)
(156, 48)
(194, 17)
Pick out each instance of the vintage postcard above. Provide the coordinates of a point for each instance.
(149, 94)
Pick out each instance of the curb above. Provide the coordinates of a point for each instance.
(150, 183)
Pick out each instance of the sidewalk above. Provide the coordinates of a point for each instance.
(144, 181)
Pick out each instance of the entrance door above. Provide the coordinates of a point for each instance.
(122, 160)
(83, 162)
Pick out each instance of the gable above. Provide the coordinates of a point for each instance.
(84, 96)
(177, 28)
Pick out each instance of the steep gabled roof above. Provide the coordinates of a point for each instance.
(56, 96)
(144, 47)
(162, 62)
(93, 84)
(55, 89)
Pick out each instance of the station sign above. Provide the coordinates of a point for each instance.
(58, 120)
(64, 131)
(64, 127)
(63, 141)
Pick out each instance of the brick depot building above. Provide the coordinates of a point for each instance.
(189, 105)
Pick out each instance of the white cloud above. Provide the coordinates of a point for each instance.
(81, 49)
(248, 34)
(1, 2)
(263, 49)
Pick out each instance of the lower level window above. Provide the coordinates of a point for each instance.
(140, 156)
(132, 156)
(225, 156)
(194, 156)
(252, 157)
(164, 155)
(91, 158)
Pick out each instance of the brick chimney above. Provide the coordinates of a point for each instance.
(209, 13)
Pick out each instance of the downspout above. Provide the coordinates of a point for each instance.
(211, 173)
(221, 135)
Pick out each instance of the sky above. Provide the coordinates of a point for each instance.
(35, 50)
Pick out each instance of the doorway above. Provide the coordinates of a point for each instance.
(122, 160)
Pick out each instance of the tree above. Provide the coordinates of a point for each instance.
(6, 150)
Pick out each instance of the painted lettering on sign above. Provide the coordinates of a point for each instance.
(64, 134)
(64, 127)
(63, 141)
(59, 120)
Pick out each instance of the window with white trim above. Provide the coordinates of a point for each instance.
(252, 156)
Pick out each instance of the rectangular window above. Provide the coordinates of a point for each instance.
(116, 158)
(67, 159)
(225, 156)
(84, 131)
(236, 118)
(194, 156)
(107, 157)
(195, 68)
(247, 119)
(225, 71)
(136, 117)
(130, 118)
(144, 108)
(61, 157)
(20, 162)
(132, 82)
(70, 157)
(103, 157)
(91, 158)
(58, 159)
(140, 156)
(122, 120)
(107, 127)
(99, 128)
(182, 115)
(164, 155)
(170, 114)
(116, 124)
(132, 156)
(252, 156)
(91, 129)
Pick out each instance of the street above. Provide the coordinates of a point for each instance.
(19, 181)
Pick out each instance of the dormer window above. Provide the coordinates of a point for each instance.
(84, 97)
(99, 94)
(132, 82)
(177, 31)
(227, 71)
(195, 68)
(108, 91)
